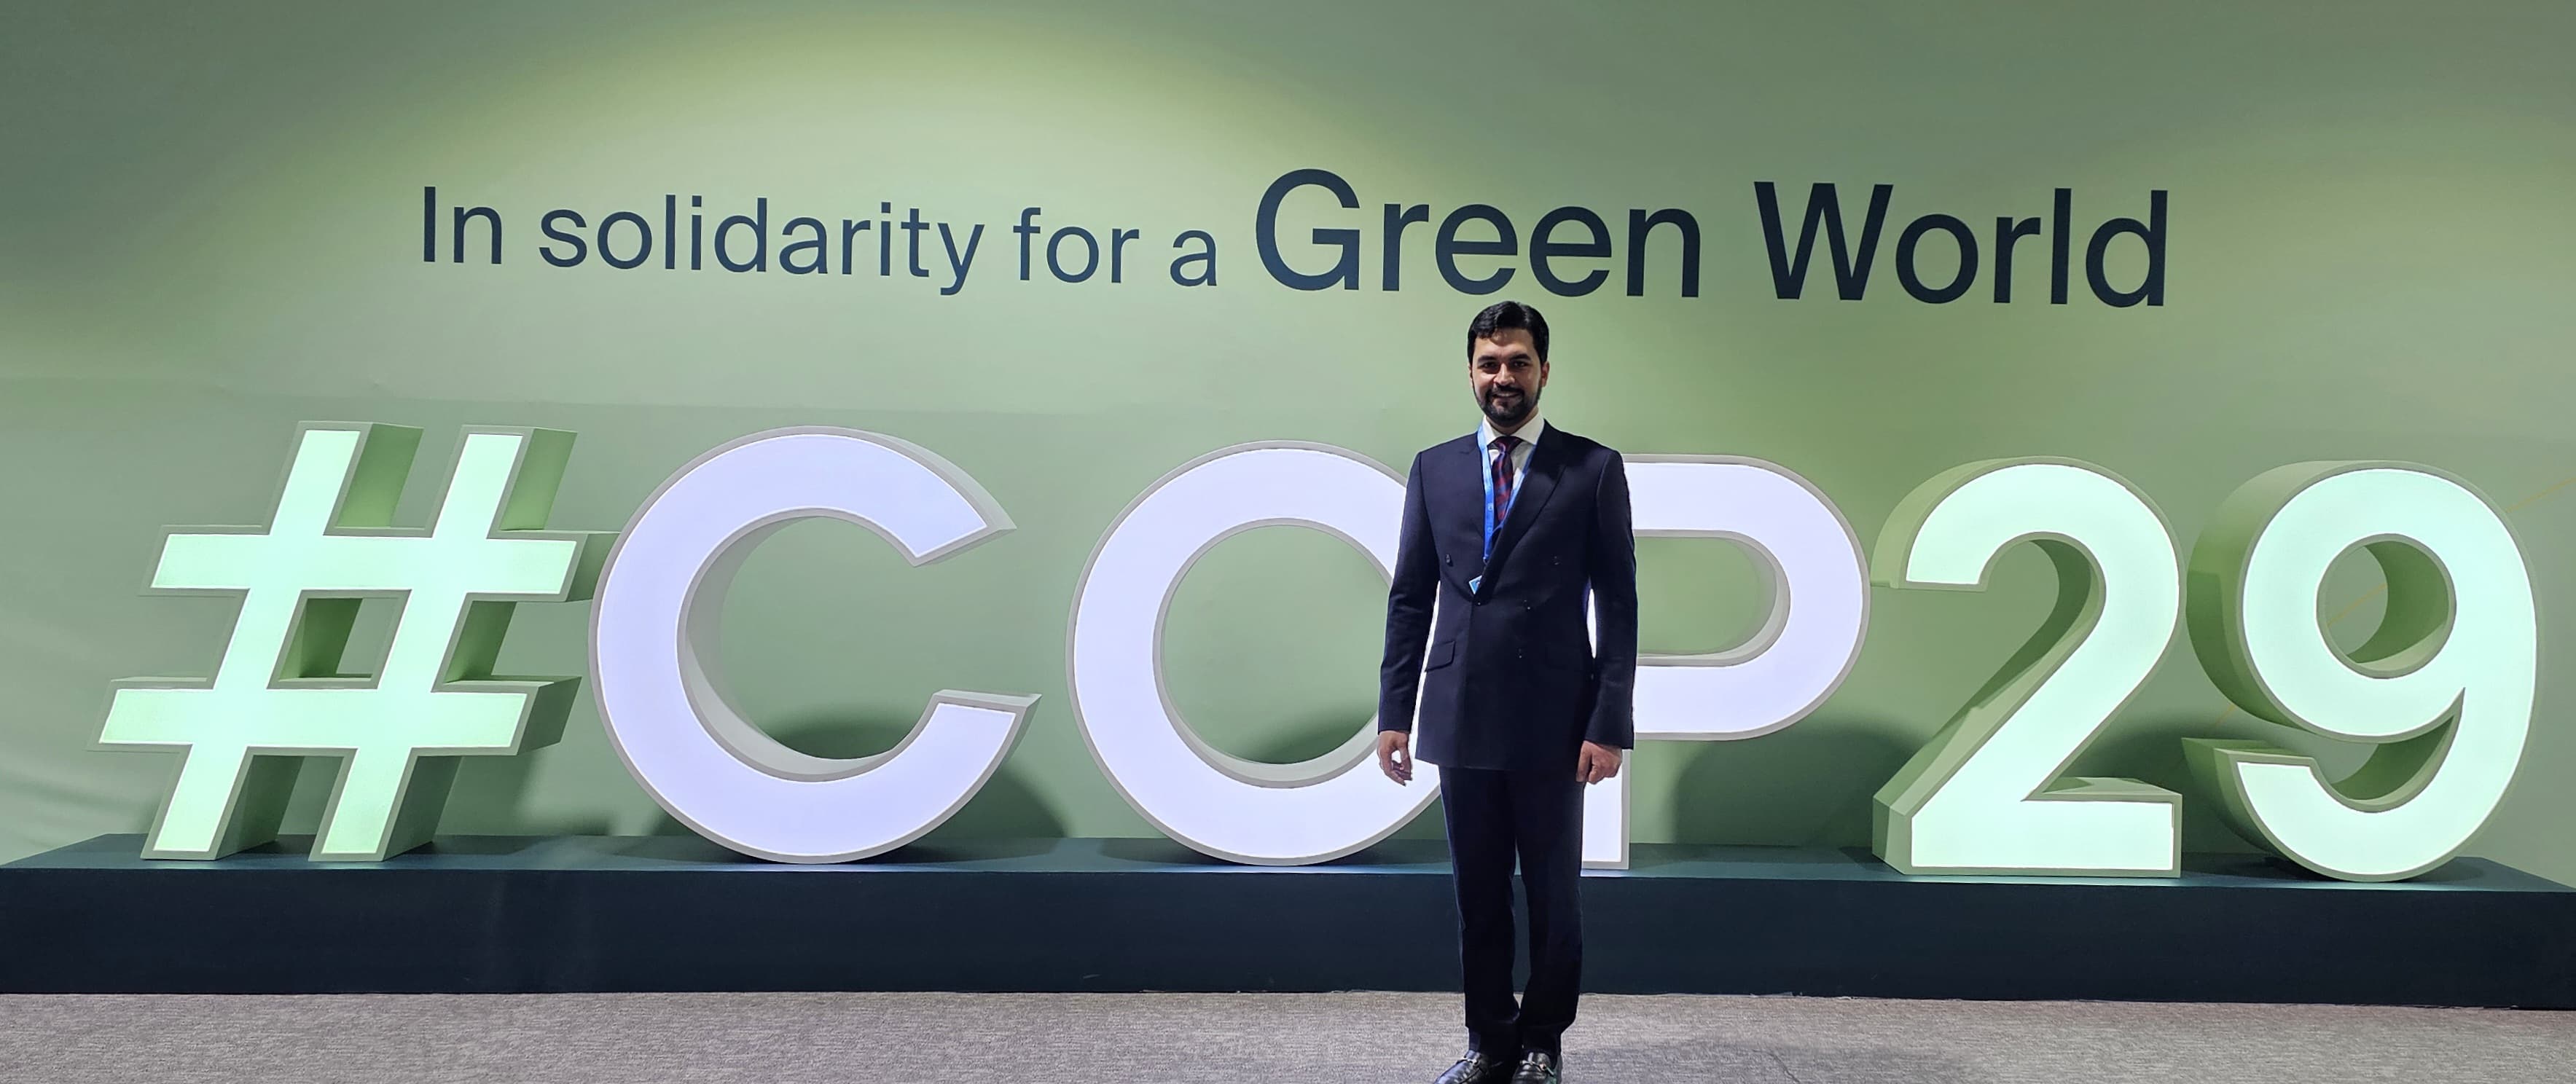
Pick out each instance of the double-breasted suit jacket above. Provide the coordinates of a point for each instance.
(1508, 677)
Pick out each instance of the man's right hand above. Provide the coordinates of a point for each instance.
(1395, 755)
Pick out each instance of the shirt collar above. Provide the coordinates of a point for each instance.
(1529, 433)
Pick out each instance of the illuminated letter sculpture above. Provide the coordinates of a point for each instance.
(654, 630)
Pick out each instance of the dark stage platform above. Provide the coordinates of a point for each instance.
(483, 914)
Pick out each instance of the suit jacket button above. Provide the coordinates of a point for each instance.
(1444, 558)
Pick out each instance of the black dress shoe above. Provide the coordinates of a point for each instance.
(1477, 1068)
(1537, 1067)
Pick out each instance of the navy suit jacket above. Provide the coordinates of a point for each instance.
(1509, 679)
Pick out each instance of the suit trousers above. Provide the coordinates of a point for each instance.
(1536, 817)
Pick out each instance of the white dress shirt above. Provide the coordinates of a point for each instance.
(1531, 429)
(1529, 432)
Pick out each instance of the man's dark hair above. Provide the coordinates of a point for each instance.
(1502, 316)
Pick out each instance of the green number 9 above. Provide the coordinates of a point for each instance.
(2443, 689)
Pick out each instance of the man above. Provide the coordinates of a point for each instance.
(1507, 529)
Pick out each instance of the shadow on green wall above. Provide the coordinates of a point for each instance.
(1807, 785)
(2148, 748)
(1006, 807)
(1286, 740)
(1815, 783)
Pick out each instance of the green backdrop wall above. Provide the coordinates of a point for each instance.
(210, 229)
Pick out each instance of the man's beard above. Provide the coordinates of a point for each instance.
(1520, 411)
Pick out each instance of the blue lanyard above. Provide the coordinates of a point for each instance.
(1490, 525)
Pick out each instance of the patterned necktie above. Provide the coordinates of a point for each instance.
(1502, 446)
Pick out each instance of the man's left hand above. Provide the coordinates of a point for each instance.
(1597, 762)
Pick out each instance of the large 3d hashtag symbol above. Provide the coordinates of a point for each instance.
(279, 693)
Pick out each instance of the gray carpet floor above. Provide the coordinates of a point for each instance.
(796, 1038)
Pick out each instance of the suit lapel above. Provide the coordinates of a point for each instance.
(1466, 479)
(1536, 487)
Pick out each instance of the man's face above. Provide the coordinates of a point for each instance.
(1506, 374)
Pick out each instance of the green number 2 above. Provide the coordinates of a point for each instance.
(1985, 796)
